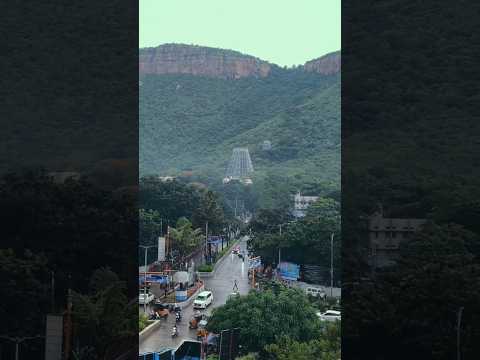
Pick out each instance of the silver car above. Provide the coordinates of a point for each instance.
(330, 315)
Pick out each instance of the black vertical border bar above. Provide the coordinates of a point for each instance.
(69, 107)
(410, 150)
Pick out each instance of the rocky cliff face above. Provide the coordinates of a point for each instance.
(199, 60)
(327, 65)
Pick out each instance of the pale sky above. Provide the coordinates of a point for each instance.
(284, 32)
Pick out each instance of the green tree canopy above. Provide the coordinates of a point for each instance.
(185, 238)
(264, 316)
(104, 316)
(438, 272)
(150, 226)
(174, 199)
(326, 347)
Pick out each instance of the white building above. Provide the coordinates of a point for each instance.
(301, 204)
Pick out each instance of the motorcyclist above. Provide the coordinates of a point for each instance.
(174, 331)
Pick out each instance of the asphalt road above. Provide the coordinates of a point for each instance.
(232, 268)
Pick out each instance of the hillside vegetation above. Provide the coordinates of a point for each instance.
(194, 122)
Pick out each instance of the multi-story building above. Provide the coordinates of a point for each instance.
(301, 204)
(386, 235)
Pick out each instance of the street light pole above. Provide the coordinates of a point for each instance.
(331, 265)
(145, 277)
(459, 321)
(18, 340)
(206, 241)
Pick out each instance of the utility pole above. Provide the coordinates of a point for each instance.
(68, 327)
(170, 246)
(167, 243)
(206, 240)
(459, 321)
(279, 246)
(331, 265)
(53, 292)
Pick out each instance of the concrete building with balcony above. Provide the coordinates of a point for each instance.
(385, 236)
(301, 204)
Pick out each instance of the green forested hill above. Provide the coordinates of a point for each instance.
(193, 122)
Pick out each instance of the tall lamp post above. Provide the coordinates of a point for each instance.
(331, 265)
(279, 251)
(459, 321)
(145, 276)
(18, 341)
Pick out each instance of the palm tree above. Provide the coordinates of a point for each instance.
(185, 238)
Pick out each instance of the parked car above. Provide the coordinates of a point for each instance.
(330, 315)
(145, 298)
(203, 300)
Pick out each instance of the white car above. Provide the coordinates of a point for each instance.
(204, 299)
(330, 315)
(142, 299)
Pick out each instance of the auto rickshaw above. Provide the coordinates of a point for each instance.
(162, 311)
(201, 333)
(202, 330)
(195, 320)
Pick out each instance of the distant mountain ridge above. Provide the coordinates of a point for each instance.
(219, 63)
(200, 60)
(327, 65)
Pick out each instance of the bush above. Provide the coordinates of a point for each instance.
(143, 322)
(205, 268)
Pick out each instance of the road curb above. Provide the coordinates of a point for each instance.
(210, 274)
(186, 303)
(149, 329)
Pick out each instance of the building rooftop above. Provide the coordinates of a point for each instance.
(379, 223)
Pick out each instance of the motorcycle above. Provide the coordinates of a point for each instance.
(178, 317)
(174, 332)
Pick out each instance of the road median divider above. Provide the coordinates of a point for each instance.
(209, 274)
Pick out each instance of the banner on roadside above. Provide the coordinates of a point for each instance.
(288, 271)
(214, 240)
(161, 249)
(255, 263)
(153, 278)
